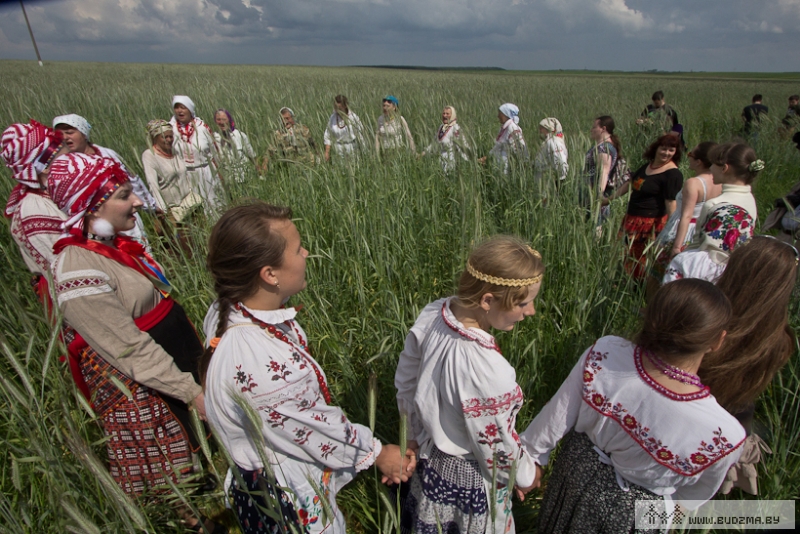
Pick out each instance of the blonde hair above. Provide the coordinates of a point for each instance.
(500, 262)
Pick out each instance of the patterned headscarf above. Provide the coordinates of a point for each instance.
(80, 184)
(511, 111)
(157, 127)
(552, 125)
(227, 114)
(27, 150)
(76, 121)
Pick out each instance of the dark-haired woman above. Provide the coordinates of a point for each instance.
(345, 132)
(600, 162)
(259, 356)
(679, 230)
(655, 186)
(128, 328)
(638, 421)
(725, 221)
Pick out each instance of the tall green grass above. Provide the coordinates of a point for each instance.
(385, 238)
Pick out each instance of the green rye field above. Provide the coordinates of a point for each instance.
(386, 238)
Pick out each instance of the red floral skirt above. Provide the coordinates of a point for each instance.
(639, 232)
(146, 442)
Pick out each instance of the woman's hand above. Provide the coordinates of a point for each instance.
(199, 404)
(675, 251)
(537, 482)
(395, 468)
(482, 160)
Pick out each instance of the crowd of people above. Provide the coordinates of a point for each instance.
(715, 330)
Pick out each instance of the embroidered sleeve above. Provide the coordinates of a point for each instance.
(490, 401)
(279, 381)
(37, 232)
(559, 415)
(87, 297)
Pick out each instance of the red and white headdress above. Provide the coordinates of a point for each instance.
(79, 184)
(26, 150)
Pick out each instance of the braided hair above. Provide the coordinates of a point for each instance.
(241, 244)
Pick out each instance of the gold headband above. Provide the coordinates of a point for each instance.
(510, 282)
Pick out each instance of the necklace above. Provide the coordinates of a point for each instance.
(186, 130)
(673, 372)
(278, 333)
(444, 128)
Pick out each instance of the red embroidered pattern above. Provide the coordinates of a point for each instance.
(477, 407)
(707, 453)
(23, 228)
(465, 333)
(69, 285)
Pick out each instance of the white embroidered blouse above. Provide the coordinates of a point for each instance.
(35, 227)
(279, 380)
(448, 143)
(199, 149)
(552, 156)
(393, 134)
(344, 134)
(461, 395)
(676, 445)
(509, 142)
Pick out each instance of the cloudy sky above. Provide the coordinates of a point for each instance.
(710, 35)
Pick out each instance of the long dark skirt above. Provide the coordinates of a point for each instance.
(448, 493)
(583, 495)
(177, 336)
(262, 506)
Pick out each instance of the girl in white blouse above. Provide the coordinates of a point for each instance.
(641, 425)
(461, 396)
(344, 132)
(259, 363)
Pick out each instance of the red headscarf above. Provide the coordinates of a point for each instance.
(79, 184)
(26, 150)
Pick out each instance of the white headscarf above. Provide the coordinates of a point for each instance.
(511, 111)
(186, 101)
(552, 125)
(76, 121)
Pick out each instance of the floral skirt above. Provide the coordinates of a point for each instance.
(639, 232)
(448, 494)
(583, 495)
(146, 442)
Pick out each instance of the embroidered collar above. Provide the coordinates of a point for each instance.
(278, 316)
(734, 188)
(481, 337)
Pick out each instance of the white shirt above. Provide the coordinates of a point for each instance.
(199, 149)
(35, 227)
(278, 380)
(447, 143)
(343, 134)
(167, 179)
(509, 142)
(393, 134)
(552, 156)
(461, 395)
(738, 195)
(671, 444)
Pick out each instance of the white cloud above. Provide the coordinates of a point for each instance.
(612, 34)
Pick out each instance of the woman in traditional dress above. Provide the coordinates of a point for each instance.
(195, 144)
(392, 134)
(679, 230)
(344, 131)
(234, 146)
(759, 281)
(259, 357)
(726, 221)
(655, 186)
(461, 397)
(291, 142)
(76, 131)
(509, 144)
(28, 150)
(449, 142)
(552, 156)
(639, 423)
(128, 328)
